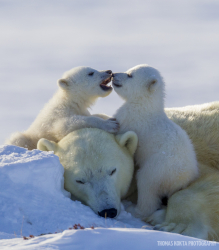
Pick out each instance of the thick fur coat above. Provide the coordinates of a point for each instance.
(67, 111)
(194, 211)
(165, 155)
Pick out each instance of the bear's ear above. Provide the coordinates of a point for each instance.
(63, 83)
(46, 145)
(152, 84)
(128, 140)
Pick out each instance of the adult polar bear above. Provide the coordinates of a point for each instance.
(194, 211)
(98, 166)
(67, 111)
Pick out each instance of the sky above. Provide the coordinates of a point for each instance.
(40, 40)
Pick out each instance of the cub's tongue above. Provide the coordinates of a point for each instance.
(105, 87)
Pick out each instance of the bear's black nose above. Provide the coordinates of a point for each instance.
(111, 213)
(109, 71)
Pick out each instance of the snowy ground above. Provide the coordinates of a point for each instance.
(108, 239)
(34, 202)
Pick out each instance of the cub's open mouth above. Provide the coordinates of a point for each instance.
(104, 83)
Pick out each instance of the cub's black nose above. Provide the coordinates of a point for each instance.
(111, 213)
(109, 71)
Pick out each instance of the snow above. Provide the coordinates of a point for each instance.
(33, 202)
(108, 239)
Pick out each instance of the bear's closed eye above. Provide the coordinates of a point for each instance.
(113, 172)
(81, 182)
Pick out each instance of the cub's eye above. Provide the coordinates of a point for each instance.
(113, 172)
(91, 73)
(129, 75)
(81, 182)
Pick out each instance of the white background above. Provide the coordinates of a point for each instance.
(39, 40)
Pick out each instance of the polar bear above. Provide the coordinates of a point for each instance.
(67, 111)
(194, 211)
(165, 155)
(201, 124)
(98, 166)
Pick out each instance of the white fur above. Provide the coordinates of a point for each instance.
(165, 154)
(194, 211)
(68, 109)
(101, 161)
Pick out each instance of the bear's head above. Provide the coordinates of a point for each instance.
(98, 167)
(86, 83)
(139, 84)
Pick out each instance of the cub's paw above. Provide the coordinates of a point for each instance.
(133, 210)
(171, 227)
(111, 125)
(194, 229)
(157, 217)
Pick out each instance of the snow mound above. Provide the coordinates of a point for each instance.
(32, 169)
(33, 200)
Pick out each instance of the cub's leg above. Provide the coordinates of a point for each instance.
(149, 199)
(66, 125)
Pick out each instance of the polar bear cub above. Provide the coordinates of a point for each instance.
(67, 111)
(165, 155)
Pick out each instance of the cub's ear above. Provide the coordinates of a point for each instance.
(152, 84)
(46, 145)
(128, 140)
(63, 83)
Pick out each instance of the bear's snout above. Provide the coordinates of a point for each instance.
(109, 72)
(115, 82)
(111, 213)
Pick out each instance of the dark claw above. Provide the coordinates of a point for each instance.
(112, 119)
